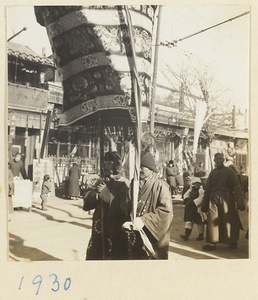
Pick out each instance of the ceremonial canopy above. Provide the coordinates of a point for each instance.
(93, 52)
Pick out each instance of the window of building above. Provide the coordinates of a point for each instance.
(241, 160)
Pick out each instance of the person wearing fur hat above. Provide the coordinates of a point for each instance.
(193, 215)
(154, 213)
(222, 199)
(109, 199)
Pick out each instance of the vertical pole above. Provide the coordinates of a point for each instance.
(90, 145)
(155, 72)
(26, 143)
(15, 70)
(40, 126)
(101, 165)
(45, 136)
(172, 156)
(40, 129)
(58, 150)
(210, 155)
(234, 117)
(207, 158)
(181, 100)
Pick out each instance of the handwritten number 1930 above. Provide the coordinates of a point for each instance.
(38, 280)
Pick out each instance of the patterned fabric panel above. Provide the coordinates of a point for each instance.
(92, 51)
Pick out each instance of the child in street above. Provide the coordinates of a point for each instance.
(46, 188)
(193, 200)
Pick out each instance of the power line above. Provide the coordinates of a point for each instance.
(209, 23)
(197, 59)
(173, 43)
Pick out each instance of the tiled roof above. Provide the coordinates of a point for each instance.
(26, 53)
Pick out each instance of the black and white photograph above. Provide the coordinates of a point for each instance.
(127, 132)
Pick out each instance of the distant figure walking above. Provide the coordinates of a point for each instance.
(46, 189)
(73, 184)
(171, 173)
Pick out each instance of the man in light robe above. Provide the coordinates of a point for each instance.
(153, 216)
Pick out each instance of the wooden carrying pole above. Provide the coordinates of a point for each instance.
(137, 99)
(155, 72)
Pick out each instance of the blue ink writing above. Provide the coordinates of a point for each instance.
(67, 287)
(37, 282)
(55, 281)
(56, 285)
(21, 282)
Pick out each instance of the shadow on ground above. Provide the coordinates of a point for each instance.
(50, 218)
(19, 250)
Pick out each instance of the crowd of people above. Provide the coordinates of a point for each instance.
(136, 225)
(118, 233)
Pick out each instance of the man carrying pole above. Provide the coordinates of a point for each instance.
(149, 230)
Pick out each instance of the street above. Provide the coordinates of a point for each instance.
(63, 231)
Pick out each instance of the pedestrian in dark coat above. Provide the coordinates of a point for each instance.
(222, 198)
(171, 173)
(154, 214)
(109, 199)
(73, 183)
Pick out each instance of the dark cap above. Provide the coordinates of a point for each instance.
(116, 159)
(148, 161)
(46, 177)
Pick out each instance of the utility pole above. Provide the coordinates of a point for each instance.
(234, 117)
(155, 71)
(23, 29)
(45, 135)
(181, 99)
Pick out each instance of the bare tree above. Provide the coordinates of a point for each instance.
(199, 83)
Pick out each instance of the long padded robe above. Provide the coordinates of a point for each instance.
(155, 210)
(108, 241)
(221, 198)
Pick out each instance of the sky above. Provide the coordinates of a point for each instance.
(224, 49)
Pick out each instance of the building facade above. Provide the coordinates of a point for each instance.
(34, 89)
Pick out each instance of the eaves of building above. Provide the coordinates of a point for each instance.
(26, 53)
(183, 119)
